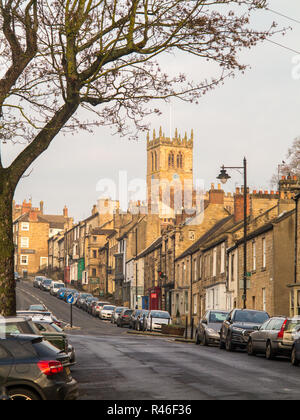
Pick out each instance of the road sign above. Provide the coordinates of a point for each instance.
(71, 299)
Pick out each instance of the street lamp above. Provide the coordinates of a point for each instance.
(223, 177)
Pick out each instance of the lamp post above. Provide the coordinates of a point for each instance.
(223, 177)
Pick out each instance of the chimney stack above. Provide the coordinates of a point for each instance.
(239, 206)
(216, 196)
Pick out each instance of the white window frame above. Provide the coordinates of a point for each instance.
(25, 226)
(26, 257)
(26, 240)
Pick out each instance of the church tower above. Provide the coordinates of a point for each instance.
(169, 165)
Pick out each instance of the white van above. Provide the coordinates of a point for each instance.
(56, 285)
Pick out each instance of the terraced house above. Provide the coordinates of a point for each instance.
(32, 229)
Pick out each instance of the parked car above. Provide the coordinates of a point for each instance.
(155, 319)
(106, 312)
(60, 293)
(133, 318)
(97, 307)
(65, 292)
(47, 329)
(33, 369)
(55, 286)
(56, 336)
(71, 292)
(238, 326)
(37, 281)
(265, 339)
(41, 315)
(45, 285)
(81, 298)
(90, 303)
(38, 307)
(140, 324)
(278, 337)
(124, 318)
(116, 313)
(86, 302)
(208, 329)
(295, 355)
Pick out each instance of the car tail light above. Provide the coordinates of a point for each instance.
(50, 367)
(281, 332)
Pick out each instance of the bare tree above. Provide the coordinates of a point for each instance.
(58, 56)
(291, 164)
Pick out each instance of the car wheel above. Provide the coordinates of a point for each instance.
(228, 344)
(221, 345)
(204, 341)
(294, 360)
(198, 341)
(22, 394)
(269, 352)
(250, 350)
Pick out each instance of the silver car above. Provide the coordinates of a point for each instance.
(275, 338)
(208, 329)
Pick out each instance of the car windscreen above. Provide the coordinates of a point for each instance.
(57, 286)
(129, 312)
(14, 328)
(163, 315)
(37, 308)
(251, 317)
(47, 282)
(118, 310)
(217, 317)
(108, 308)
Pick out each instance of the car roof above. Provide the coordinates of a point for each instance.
(12, 319)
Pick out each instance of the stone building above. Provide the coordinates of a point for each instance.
(32, 229)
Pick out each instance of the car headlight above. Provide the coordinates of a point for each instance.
(239, 330)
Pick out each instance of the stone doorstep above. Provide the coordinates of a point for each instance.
(177, 337)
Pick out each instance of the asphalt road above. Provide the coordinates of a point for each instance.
(115, 365)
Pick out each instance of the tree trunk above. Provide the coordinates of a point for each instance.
(7, 280)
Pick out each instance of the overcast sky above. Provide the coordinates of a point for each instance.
(254, 115)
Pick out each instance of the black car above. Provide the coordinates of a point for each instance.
(33, 369)
(124, 318)
(238, 326)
